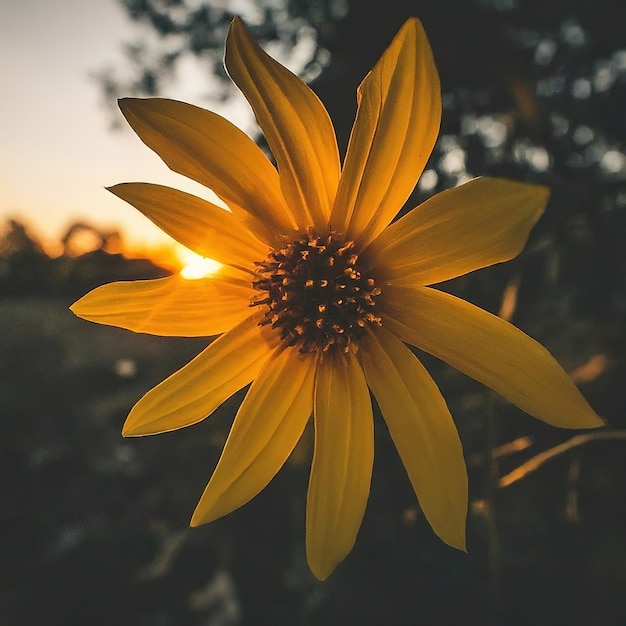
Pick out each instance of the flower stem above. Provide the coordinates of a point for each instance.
(534, 463)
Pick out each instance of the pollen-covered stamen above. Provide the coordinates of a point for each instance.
(318, 293)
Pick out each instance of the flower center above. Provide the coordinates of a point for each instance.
(318, 294)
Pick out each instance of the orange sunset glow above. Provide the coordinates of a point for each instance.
(176, 258)
(70, 149)
(194, 265)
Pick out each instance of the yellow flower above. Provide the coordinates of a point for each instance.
(319, 293)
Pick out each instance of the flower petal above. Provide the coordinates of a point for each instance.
(209, 149)
(423, 431)
(170, 306)
(490, 350)
(203, 227)
(342, 463)
(394, 133)
(196, 390)
(266, 429)
(296, 125)
(460, 230)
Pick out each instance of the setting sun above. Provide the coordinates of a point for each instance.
(194, 265)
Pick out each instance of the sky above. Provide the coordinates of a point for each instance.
(57, 151)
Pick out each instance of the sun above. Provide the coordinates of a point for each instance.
(194, 265)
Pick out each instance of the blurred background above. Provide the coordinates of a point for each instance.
(93, 528)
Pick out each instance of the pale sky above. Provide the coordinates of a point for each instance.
(57, 152)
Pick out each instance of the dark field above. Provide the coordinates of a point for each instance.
(94, 526)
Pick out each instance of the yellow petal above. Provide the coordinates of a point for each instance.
(209, 149)
(490, 350)
(423, 431)
(394, 133)
(295, 123)
(483, 222)
(266, 429)
(196, 390)
(169, 306)
(203, 227)
(342, 463)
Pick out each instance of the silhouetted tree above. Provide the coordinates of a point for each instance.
(24, 266)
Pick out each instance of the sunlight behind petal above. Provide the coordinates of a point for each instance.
(194, 265)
